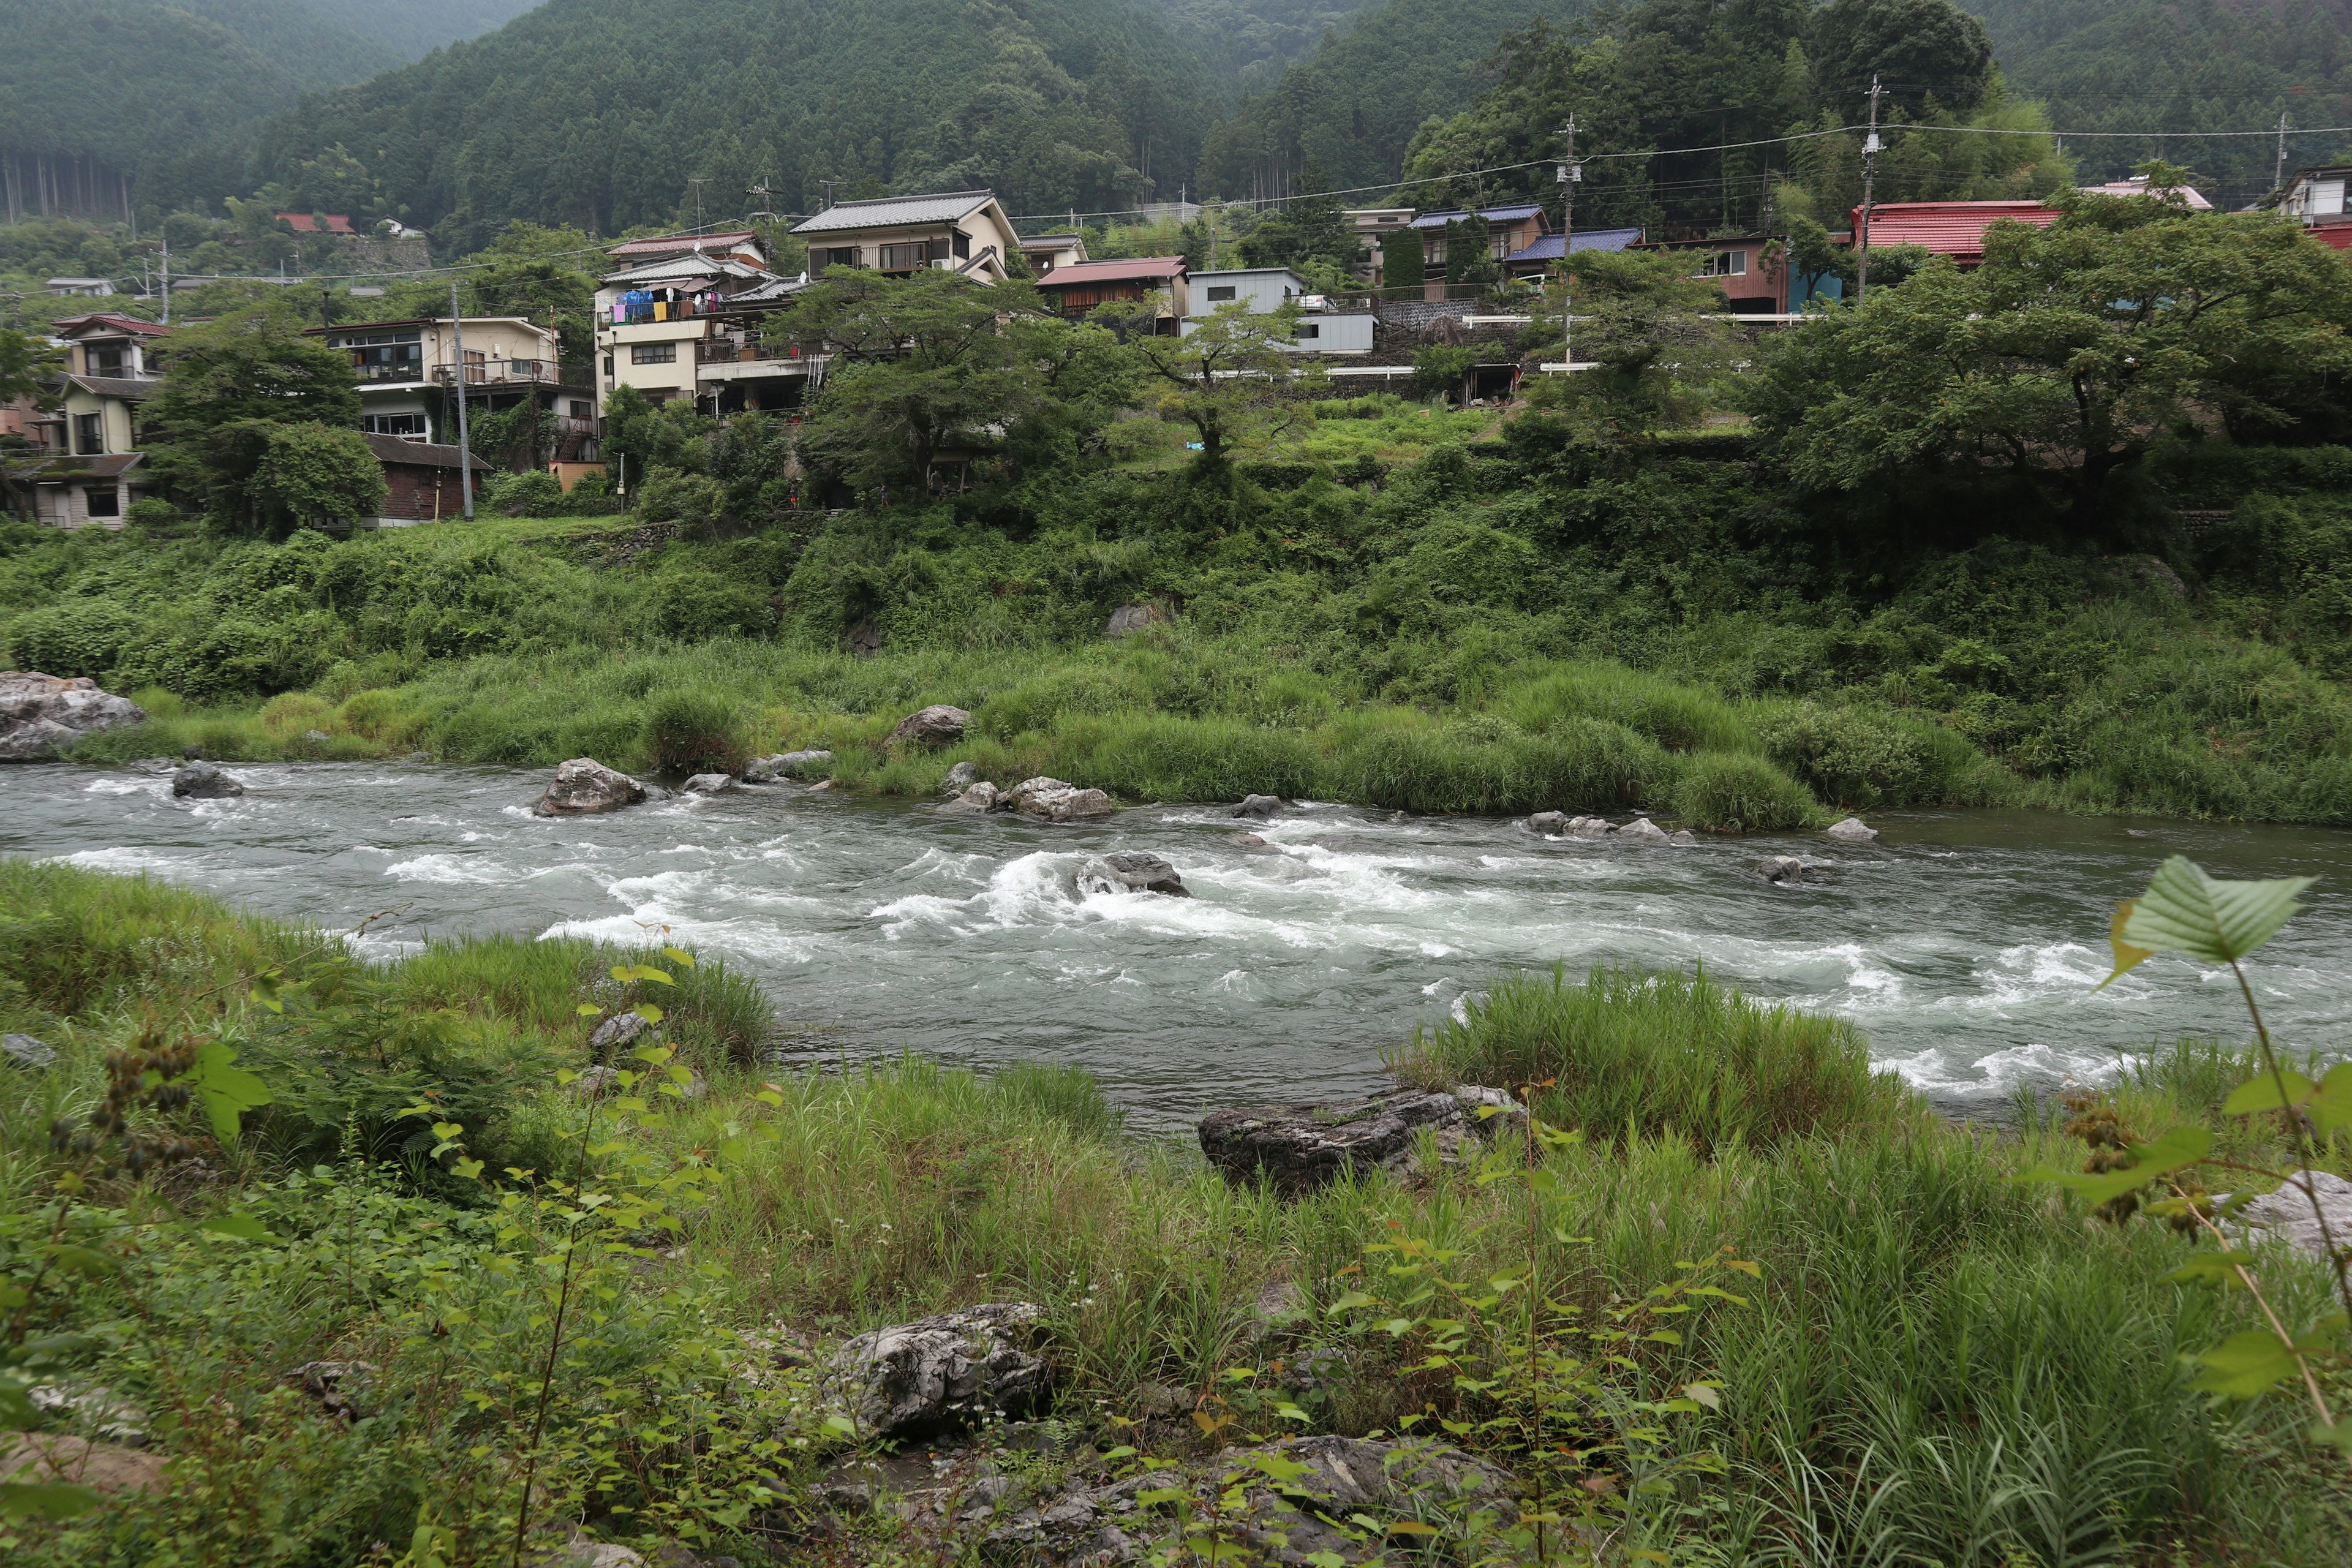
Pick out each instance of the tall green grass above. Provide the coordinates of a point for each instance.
(1627, 1053)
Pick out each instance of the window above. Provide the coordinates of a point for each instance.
(2326, 198)
(407, 426)
(579, 409)
(836, 256)
(106, 360)
(394, 353)
(90, 435)
(1723, 264)
(653, 353)
(910, 255)
(105, 500)
(608, 367)
(1309, 330)
(962, 245)
(1220, 293)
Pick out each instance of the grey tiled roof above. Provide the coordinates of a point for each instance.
(116, 386)
(894, 211)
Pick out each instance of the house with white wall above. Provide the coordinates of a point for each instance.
(962, 232)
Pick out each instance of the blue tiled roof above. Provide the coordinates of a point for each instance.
(1548, 248)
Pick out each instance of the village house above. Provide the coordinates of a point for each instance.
(1161, 281)
(1265, 289)
(91, 474)
(411, 376)
(962, 232)
(684, 319)
(1747, 268)
(422, 481)
(2314, 198)
(1373, 226)
(1956, 229)
(1044, 252)
(1539, 256)
(80, 288)
(1510, 230)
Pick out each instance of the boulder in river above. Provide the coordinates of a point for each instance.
(1297, 1148)
(960, 777)
(1053, 800)
(1256, 807)
(1784, 870)
(709, 783)
(1588, 827)
(980, 799)
(787, 765)
(913, 1379)
(202, 781)
(41, 715)
(2287, 1214)
(1641, 830)
(584, 786)
(938, 725)
(1852, 830)
(1131, 871)
(1550, 824)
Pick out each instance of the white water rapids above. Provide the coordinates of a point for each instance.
(1966, 943)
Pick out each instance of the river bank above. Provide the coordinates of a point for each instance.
(1915, 1317)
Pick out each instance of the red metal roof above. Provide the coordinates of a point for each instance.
(2334, 236)
(130, 324)
(304, 223)
(1132, 269)
(1949, 228)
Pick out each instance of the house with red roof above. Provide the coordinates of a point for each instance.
(309, 223)
(1956, 229)
(1163, 282)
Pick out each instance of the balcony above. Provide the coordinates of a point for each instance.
(509, 373)
(393, 374)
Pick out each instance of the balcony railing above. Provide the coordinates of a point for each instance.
(504, 372)
(398, 371)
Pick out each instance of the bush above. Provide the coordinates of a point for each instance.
(695, 733)
(1860, 760)
(1737, 792)
(1639, 1054)
(695, 605)
(1584, 765)
(74, 636)
(533, 493)
(690, 500)
(1679, 717)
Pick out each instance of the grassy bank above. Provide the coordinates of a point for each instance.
(1934, 1361)
(1494, 627)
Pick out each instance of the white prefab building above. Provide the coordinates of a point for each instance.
(1265, 290)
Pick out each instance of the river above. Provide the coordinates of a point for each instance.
(1966, 942)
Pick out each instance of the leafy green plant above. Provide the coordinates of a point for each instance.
(2221, 923)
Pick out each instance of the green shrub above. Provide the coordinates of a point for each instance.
(693, 606)
(1644, 1054)
(1855, 757)
(1155, 756)
(1736, 792)
(534, 493)
(74, 636)
(693, 731)
(1678, 717)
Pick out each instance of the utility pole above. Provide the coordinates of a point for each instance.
(326, 304)
(465, 444)
(698, 182)
(1869, 172)
(828, 186)
(1569, 174)
(2278, 179)
(167, 278)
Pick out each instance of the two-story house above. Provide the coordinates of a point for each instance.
(1510, 230)
(962, 232)
(1161, 281)
(683, 318)
(412, 374)
(1265, 290)
(92, 437)
(2314, 198)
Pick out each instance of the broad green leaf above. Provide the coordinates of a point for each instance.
(1705, 1393)
(238, 1226)
(2127, 957)
(621, 972)
(2260, 1092)
(2186, 912)
(1412, 1527)
(590, 1010)
(2330, 1108)
(841, 1424)
(2216, 1268)
(2183, 1146)
(2243, 1365)
(2337, 1436)
(676, 956)
(648, 972)
(649, 1012)
(45, 1499)
(227, 1090)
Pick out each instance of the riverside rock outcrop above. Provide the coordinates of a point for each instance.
(1298, 1148)
(910, 1380)
(938, 725)
(1054, 800)
(584, 786)
(1130, 871)
(783, 765)
(41, 715)
(1256, 807)
(2287, 1214)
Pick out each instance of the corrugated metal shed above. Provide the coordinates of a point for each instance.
(1949, 228)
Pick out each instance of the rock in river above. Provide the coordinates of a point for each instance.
(584, 786)
(1641, 830)
(913, 1379)
(1548, 823)
(938, 725)
(960, 777)
(1301, 1147)
(980, 798)
(1131, 871)
(709, 783)
(202, 781)
(1053, 800)
(785, 765)
(1852, 830)
(1258, 807)
(41, 715)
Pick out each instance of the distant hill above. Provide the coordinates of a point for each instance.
(2182, 65)
(1250, 41)
(1354, 104)
(601, 113)
(414, 28)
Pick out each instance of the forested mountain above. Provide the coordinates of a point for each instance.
(1250, 41)
(299, 37)
(599, 112)
(414, 28)
(2183, 64)
(1353, 106)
